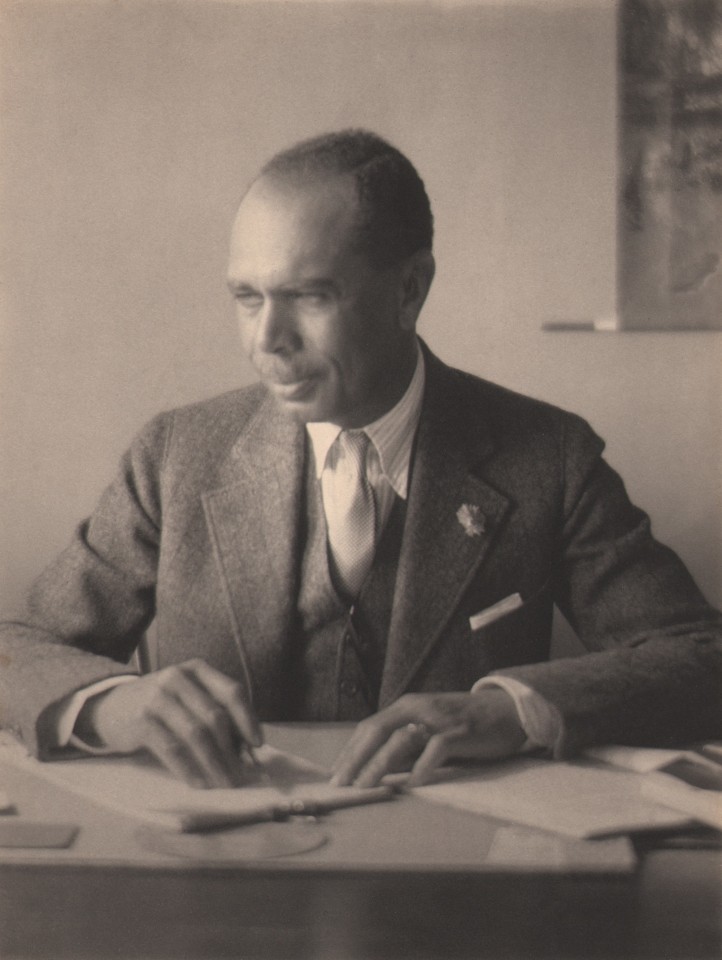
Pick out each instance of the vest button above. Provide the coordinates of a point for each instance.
(349, 687)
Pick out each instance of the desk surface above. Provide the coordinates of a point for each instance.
(398, 879)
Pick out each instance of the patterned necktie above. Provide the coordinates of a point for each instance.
(348, 502)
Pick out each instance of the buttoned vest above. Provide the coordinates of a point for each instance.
(338, 651)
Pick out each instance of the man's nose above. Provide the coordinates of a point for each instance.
(276, 331)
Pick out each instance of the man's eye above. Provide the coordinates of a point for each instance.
(248, 299)
(315, 298)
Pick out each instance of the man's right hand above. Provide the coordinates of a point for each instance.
(193, 718)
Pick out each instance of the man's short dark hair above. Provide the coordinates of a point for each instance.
(395, 213)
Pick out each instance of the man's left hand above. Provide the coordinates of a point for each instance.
(422, 731)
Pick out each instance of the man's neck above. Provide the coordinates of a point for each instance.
(392, 393)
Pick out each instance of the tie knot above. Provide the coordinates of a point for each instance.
(354, 446)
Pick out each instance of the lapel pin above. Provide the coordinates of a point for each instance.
(471, 519)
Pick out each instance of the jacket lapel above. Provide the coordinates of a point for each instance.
(440, 552)
(254, 526)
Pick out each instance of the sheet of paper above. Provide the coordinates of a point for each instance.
(143, 790)
(689, 781)
(704, 805)
(578, 799)
(639, 759)
(648, 759)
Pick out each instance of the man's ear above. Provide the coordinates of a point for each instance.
(416, 277)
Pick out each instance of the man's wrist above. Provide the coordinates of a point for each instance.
(66, 729)
(84, 729)
(539, 720)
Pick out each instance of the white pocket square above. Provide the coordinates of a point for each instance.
(497, 610)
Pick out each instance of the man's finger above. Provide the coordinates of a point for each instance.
(193, 744)
(437, 751)
(218, 769)
(366, 739)
(230, 694)
(172, 754)
(395, 754)
(209, 715)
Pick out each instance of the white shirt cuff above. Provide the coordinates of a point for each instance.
(540, 721)
(69, 712)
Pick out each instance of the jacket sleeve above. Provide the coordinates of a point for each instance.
(653, 675)
(88, 610)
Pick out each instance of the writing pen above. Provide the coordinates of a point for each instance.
(196, 821)
(248, 755)
(250, 758)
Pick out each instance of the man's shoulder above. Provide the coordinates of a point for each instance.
(524, 442)
(498, 408)
(204, 428)
(234, 408)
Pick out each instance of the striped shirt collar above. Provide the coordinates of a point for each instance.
(392, 434)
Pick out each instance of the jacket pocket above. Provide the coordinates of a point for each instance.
(520, 633)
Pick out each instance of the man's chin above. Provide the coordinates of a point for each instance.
(299, 400)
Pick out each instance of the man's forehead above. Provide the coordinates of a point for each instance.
(280, 221)
(273, 194)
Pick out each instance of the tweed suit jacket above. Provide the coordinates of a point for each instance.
(202, 531)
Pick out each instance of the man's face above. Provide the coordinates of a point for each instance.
(322, 326)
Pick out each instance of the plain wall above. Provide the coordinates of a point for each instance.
(128, 132)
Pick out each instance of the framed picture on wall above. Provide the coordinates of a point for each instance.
(670, 165)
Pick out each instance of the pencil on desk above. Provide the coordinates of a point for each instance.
(198, 821)
(187, 820)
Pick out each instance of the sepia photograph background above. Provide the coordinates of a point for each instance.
(128, 131)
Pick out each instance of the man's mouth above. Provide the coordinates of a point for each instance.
(290, 389)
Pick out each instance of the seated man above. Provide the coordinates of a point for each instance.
(365, 535)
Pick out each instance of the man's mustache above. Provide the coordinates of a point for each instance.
(282, 373)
